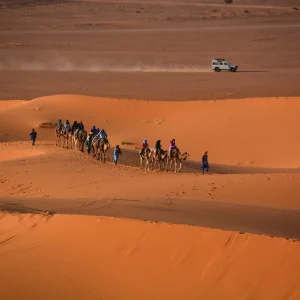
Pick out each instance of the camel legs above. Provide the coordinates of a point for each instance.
(146, 163)
(141, 162)
(180, 165)
(162, 165)
(153, 162)
(82, 146)
(58, 140)
(67, 138)
(102, 155)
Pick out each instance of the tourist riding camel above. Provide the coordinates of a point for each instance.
(80, 126)
(76, 130)
(66, 126)
(94, 134)
(59, 125)
(172, 147)
(74, 127)
(103, 134)
(94, 130)
(144, 147)
(157, 148)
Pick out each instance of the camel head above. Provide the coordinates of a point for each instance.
(185, 155)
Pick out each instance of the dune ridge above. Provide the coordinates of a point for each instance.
(5, 104)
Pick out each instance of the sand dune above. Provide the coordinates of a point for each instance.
(234, 132)
(4, 104)
(103, 258)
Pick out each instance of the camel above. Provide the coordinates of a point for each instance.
(100, 147)
(177, 157)
(147, 157)
(160, 158)
(67, 135)
(59, 135)
(79, 136)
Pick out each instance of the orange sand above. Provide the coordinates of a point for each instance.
(77, 257)
(7, 153)
(250, 132)
(4, 104)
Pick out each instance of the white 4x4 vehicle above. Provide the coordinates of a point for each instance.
(219, 64)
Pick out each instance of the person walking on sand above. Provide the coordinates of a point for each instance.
(33, 135)
(117, 152)
(205, 164)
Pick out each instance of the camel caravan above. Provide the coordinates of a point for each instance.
(150, 158)
(97, 144)
(75, 137)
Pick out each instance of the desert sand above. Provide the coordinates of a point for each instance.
(149, 50)
(105, 258)
(72, 227)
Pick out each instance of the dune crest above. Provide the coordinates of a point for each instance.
(6, 104)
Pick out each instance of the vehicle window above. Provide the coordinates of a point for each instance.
(221, 63)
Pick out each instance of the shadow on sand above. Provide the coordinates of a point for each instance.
(253, 71)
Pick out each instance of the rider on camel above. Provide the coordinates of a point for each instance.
(92, 133)
(157, 147)
(94, 130)
(74, 126)
(59, 124)
(66, 126)
(144, 147)
(172, 146)
(103, 135)
(80, 126)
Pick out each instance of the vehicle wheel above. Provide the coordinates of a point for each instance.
(232, 70)
(217, 70)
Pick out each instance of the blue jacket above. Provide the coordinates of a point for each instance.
(33, 134)
(117, 152)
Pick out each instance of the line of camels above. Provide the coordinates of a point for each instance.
(148, 159)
